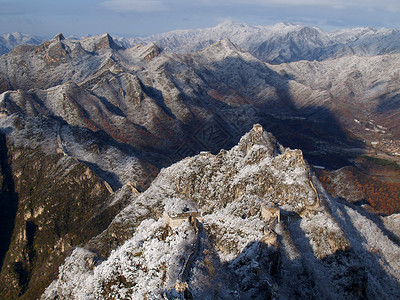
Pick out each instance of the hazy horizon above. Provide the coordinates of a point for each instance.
(47, 18)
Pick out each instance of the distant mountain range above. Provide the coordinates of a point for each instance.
(280, 43)
(9, 41)
(106, 144)
(283, 42)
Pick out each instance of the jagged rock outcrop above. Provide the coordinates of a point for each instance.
(153, 51)
(316, 251)
(95, 44)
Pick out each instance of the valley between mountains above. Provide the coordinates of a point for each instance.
(234, 162)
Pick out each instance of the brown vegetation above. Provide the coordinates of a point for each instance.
(382, 196)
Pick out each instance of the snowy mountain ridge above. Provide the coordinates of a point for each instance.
(240, 247)
(282, 42)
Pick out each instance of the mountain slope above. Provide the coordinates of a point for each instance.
(53, 62)
(52, 193)
(363, 89)
(235, 246)
(60, 181)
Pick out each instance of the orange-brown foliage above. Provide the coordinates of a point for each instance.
(384, 197)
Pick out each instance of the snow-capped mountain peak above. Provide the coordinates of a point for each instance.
(252, 218)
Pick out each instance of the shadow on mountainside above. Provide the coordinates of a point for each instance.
(374, 218)
(387, 112)
(291, 270)
(218, 102)
(229, 115)
(381, 284)
(8, 200)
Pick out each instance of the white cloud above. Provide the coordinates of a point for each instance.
(135, 5)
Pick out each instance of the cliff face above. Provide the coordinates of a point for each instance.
(52, 200)
(57, 198)
(230, 242)
(9, 200)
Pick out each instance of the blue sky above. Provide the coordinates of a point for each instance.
(145, 17)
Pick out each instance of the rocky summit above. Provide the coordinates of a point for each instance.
(251, 222)
(234, 162)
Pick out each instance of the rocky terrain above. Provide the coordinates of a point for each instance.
(96, 179)
(314, 249)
